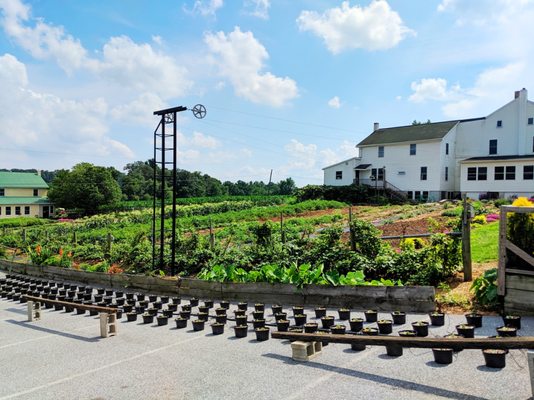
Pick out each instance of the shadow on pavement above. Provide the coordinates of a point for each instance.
(397, 383)
(47, 330)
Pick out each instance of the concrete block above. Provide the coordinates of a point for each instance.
(108, 325)
(305, 351)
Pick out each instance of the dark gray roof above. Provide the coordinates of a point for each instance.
(499, 158)
(410, 133)
(362, 167)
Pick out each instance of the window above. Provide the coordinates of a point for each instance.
(339, 175)
(417, 195)
(378, 174)
(410, 195)
(424, 171)
(17, 210)
(0, 210)
(499, 173)
(413, 149)
(446, 173)
(493, 146)
(36, 192)
(510, 173)
(26, 210)
(499, 123)
(482, 173)
(471, 174)
(425, 195)
(528, 172)
(51, 209)
(530, 121)
(380, 151)
(446, 148)
(8, 210)
(2, 192)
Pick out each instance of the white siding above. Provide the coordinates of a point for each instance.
(347, 173)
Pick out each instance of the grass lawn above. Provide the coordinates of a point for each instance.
(485, 242)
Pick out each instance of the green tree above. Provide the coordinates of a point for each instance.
(86, 187)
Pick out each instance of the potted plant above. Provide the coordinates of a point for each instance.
(262, 334)
(311, 327)
(203, 316)
(507, 331)
(257, 314)
(420, 328)
(198, 324)
(185, 314)
(217, 328)
(168, 313)
(239, 313)
(338, 329)
(129, 296)
(193, 302)
(327, 321)
(138, 296)
(151, 297)
(280, 315)
(164, 299)
(371, 315)
(407, 333)
(241, 320)
(180, 322)
(385, 326)
(224, 304)
(127, 308)
(259, 307)
(474, 319)
(276, 308)
(297, 310)
(282, 325)
(203, 309)
(162, 320)
(512, 320)
(176, 300)
(148, 318)
(370, 331)
(300, 319)
(220, 311)
(258, 323)
(143, 303)
(152, 311)
(221, 319)
(172, 307)
(344, 314)
(356, 324)
(186, 307)
(465, 330)
(437, 318)
(242, 306)
(394, 350)
(241, 331)
(208, 304)
(320, 312)
(495, 358)
(442, 355)
(399, 317)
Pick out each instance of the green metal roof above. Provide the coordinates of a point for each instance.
(11, 201)
(21, 180)
(410, 133)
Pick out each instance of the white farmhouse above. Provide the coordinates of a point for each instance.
(492, 156)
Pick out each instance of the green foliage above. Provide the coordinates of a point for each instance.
(521, 233)
(366, 238)
(39, 254)
(485, 289)
(86, 187)
(102, 266)
(20, 222)
(480, 219)
(349, 194)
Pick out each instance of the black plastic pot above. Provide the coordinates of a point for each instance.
(437, 319)
(193, 302)
(242, 306)
(224, 304)
(385, 327)
(338, 329)
(148, 318)
(168, 313)
(202, 316)
(357, 347)
(506, 331)
(217, 328)
(180, 322)
(280, 315)
(152, 298)
(241, 320)
(80, 311)
(300, 319)
(344, 314)
(407, 333)
(474, 319)
(371, 315)
(369, 331)
(176, 300)
(220, 311)
(320, 312)
(239, 313)
(198, 325)
(152, 311)
(420, 328)
(162, 320)
(262, 334)
(164, 299)
(259, 307)
(131, 316)
(512, 320)
(443, 356)
(311, 327)
(241, 331)
(356, 324)
(203, 309)
(208, 304)
(221, 319)
(258, 323)
(186, 307)
(467, 331)
(257, 314)
(140, 309)
(276, 308)
(399, 317)
(172, 307)
(282, 325)
(394, 350)
(297, 310)
(327, 321)
(495, 358)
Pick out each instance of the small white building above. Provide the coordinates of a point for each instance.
(492, 156)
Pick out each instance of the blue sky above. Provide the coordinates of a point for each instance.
(289, 85)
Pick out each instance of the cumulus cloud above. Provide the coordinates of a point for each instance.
(43, 121)
(258, 8)
(139, 110)
(205, 7)
(302, 156)
(334, 102)
(204, 141)
(240, 58)
(375, 27)
(433, 89)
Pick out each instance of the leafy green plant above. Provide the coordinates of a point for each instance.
(484, 288)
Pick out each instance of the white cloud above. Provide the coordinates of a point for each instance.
(302, 156)
(260, 8)
(204, 141)
(485, 12)
(48, 123)
(205, 7)
(139, 110)
(433, 89)
(334, 102)
(157, 39)
(240, 58)
(375, 27)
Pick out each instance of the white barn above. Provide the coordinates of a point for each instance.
(492, 156)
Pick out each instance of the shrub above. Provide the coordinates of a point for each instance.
(480, 219)
(485, 288)
(521, 232)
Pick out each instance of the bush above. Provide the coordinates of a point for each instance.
(485, 289)
(480, 219)
(521, 233)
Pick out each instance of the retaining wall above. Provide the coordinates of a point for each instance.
(384, 298)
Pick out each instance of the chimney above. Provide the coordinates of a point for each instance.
(376, 125)
(516, 94)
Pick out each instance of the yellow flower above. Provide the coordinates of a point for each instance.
(522, 202)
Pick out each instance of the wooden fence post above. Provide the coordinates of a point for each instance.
(212, 236)
(74, 238)
(466, 241)
(24, 235)
(501, 272)
(282, 232)
(351, 232)
(109, 243)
